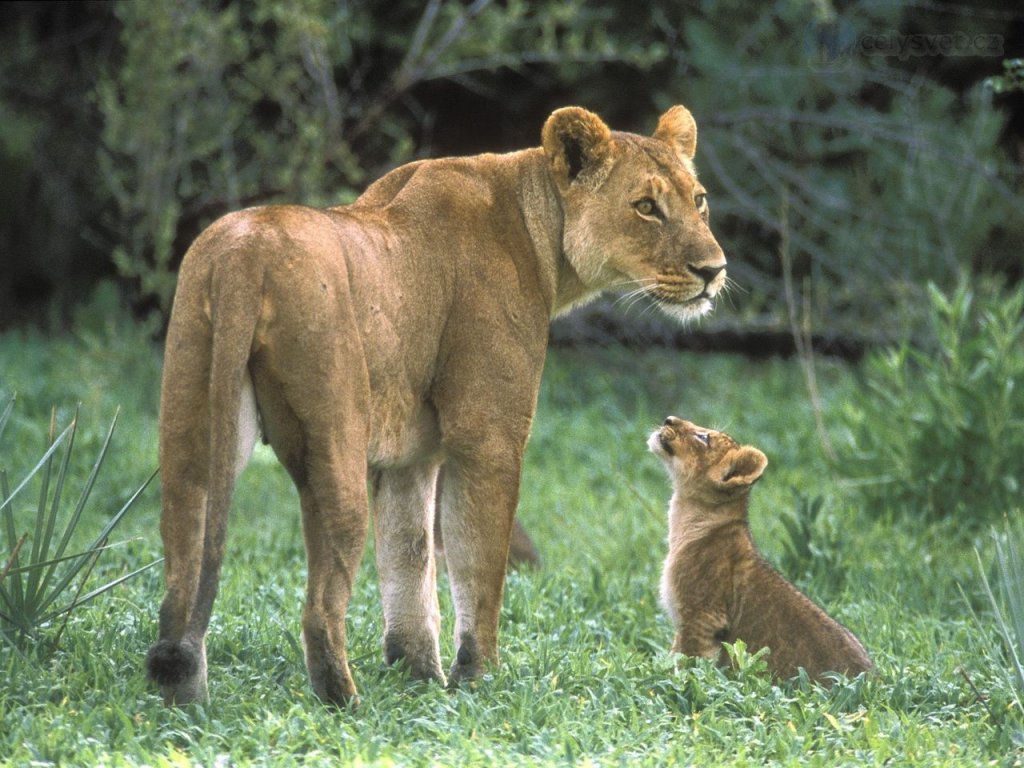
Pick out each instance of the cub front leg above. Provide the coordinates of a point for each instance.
(478, 502)
(701, 634)
(403, 504)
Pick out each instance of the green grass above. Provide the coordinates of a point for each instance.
(585, 676)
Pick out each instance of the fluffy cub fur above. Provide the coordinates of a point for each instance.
(716, 586)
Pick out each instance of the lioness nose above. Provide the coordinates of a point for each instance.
(707, 274)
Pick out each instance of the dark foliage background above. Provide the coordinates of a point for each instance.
(863, 141)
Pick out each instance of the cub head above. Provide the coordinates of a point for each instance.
(706, 465)
(635, 214)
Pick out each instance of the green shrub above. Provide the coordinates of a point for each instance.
(878, 181)
(813, 541)
(1012, 78)
(210, 107)
(940, 431)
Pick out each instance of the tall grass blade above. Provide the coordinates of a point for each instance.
(98, 544)
(92, 557)
(1009, 612)
(44, 492)
(10, 561)
(99, 591)
(58, 494)
(6, 414)
(6, 503)
(14, 596)
(46, 521)
(66, 558)
(1011, 571)
(72, 523)
(5, 491)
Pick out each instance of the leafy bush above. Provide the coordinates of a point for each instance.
(940, 431)
(885, 180)
(210, 107)
(40, 581)
(813, 540)
(1012, 78)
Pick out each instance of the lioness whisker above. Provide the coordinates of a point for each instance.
(629, 298)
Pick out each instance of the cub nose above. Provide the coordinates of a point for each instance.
(709, 273)
(672, 421)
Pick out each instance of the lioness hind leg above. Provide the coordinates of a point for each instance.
(332, 494)
(478, 503)
(320, 438)
(325, 455)
(403, 503)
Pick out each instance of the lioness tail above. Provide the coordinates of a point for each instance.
(171, 663)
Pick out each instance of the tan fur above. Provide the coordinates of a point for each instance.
(715, 585)
(522, 552)
(380, 340)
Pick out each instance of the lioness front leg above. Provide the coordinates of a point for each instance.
(478, 503)
(403, 503)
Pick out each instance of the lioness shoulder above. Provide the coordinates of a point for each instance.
(715, 585)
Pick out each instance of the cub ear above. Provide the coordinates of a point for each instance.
(678, 129)
(741, 468)
(574, 141)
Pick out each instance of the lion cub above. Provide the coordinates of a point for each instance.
(716, 586)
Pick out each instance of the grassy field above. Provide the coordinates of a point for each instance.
(585, 676)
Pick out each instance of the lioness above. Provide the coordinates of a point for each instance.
(379, 340)
(715, 585)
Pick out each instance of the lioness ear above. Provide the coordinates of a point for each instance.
(741, 468)
(678, 129)
(574, 141)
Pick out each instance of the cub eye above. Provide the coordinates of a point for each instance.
(700, 200)
(646, 207)
(703, 437)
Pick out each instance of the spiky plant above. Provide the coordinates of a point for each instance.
(42, 580)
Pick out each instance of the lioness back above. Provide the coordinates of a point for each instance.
(715, 585)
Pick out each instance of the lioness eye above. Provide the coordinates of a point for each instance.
(646, 206)
(704, 437)
(700, 200)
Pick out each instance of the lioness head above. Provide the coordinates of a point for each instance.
(635, 214)
(706, 465)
